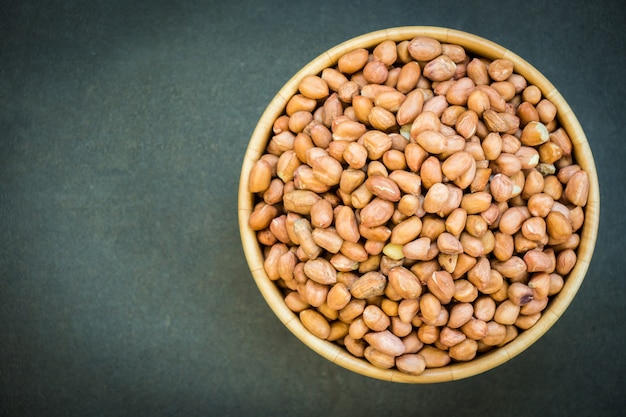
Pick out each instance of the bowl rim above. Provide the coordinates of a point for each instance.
(457, 370)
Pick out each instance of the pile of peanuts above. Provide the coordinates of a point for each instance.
(418, 205)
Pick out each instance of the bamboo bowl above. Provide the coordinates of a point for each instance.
(483, 362)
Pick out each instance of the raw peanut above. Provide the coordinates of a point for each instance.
(534, 134)
(384, 188)
(501, 187)
(281, 142)
(451, 337)
(305, 179)
(378, 233)
(299, 103)
(546, 110)
(455, 222)
(303, 232)
(338, 296)
(347, 91)
(534, 228)
(348, 130)
(425, 121)
(346, 224)
(441, 285)
(376, 143)
(390, 100)
(476, 203)
(532, 94)
(399, 328)
(406, 231)
(353, 61)
(428, 333)
(274, 193)
(314, 87)
(409, 204)
(286, 265)
(375, 72)
(424, 48)
(430, 307)
(355, 155)
(558, 226)
(538, 260)
(478, 102)
(385, 342)
(540, 284)
(457, 164)
(408, 77)
(376, 213)
(432, 227)
(527, 113)
(417, 249)
(360, 197)
(477, 72)
(455, 52)
(507, 164)
(484, 308)
(378, 358)
(328, 239)
(343, 263)
(299, 120)
(410, 107)
(369, 285)
(355, 251)
(390, 307)
(321, 213)
(321, 271)
(561, 138)
(330, 314)
(315, 323)
(362, 106)
(512, 219)
(460, 314)
(459, 91)
(536, 305)
(352, 310)
(441, 68)
(476, 225)
(464, 291)
(408, 182)
(525, 322)
(411, 363)
(472, 245)
(556, 284)
(355, 346)
(520, 294)
(464, 351)
(381, 119)
(513, 268)
(540, 204)
(301, 144)
(552, 187)
(506, 89)
(577, 188)
(495, 121)
(338, 331)
(463, 264)
(334, 78)
(528, 156)
(436, 198)
(319, 134)
(565, 261)
(500, 69)
(295, 303)
(270, 264)
(404, 283)
(492, 146)
(495, 334)
(475, 329)
(287, 164)
(327, 170)
(432, 141)
(430, 172)
(261, 216)
(448, 261)
(497, 107)
(260, 176)
(407, 309)
(435, 105)
(351, 179)
(375, 319)
(448, 244)
(434, 357)
(549, 153)
(511, 333)
(506, 313)
(565, 173)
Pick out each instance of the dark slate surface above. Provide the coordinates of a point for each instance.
(123, 286)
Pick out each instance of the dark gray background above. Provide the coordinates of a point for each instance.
(123, 285)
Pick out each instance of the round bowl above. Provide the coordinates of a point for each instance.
(455, 370)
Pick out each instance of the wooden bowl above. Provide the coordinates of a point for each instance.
(483, 362)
